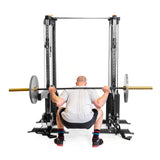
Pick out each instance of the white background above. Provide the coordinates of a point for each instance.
(21, 47)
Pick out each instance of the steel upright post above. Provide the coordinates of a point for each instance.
(50, 64)
(112, 105)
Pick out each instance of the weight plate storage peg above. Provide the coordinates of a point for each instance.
(32, 92)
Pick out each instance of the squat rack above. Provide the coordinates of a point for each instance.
(112, 120)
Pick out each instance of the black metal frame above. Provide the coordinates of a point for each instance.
(49, 117)
(112, 120)
(113, 102)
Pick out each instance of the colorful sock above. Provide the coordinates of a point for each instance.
(96, 134)
(60, 133)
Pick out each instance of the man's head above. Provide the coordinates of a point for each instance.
(81, 81)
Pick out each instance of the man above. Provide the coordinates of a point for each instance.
(79, 112)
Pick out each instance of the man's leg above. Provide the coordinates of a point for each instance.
(60, 129)
(97, 127)
(99, 120)
(58, 119)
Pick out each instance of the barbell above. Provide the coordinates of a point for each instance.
(34, 88)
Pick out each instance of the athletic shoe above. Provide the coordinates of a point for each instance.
(97, 142)
(59, 141)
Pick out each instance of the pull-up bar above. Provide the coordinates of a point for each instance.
(81, 17)
(114, 16)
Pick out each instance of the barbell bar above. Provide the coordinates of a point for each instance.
(34, 88)
(69, 88)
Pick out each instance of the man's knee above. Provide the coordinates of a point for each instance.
(100, 112)
(59, 109)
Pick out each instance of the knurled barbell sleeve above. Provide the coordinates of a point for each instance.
(18, 89)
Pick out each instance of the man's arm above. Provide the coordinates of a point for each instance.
(102, 100)
(55, 99)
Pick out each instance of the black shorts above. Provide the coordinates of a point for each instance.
(85, 125)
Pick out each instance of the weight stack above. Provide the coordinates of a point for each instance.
(112, 108)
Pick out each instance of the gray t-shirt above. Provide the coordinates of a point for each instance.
(79, 105)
